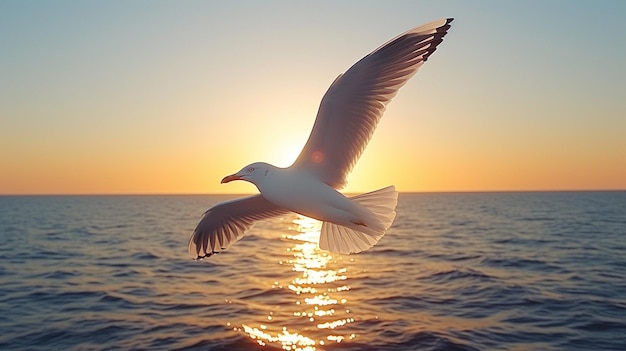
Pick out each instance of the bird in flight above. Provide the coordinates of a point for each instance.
(346, 119)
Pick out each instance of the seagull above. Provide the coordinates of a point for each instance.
(347, 117)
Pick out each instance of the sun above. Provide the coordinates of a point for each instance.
(285, 151)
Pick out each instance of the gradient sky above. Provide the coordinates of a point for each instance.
(170, 96)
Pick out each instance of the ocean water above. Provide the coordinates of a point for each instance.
(471, 271)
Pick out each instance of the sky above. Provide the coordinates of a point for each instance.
(157, 97)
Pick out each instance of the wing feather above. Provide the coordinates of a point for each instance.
(355, 102)
(227, 222)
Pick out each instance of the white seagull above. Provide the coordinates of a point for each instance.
(346, 119)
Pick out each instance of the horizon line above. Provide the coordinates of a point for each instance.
(347, 193)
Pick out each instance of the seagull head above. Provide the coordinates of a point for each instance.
(252, 173)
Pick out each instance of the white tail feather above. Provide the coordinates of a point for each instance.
(382, 206)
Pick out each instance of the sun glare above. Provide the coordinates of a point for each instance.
(284, 152)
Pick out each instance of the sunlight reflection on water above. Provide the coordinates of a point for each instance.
(320, 291)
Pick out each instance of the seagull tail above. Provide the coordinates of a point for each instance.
(381, 204)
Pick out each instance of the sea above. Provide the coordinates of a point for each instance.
(456, 271)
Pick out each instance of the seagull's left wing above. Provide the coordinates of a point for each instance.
(227, 222)
(355, 102)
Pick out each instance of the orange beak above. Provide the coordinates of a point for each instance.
(230, 178)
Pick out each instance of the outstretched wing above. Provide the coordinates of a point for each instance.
(356, 100)
(227, 222)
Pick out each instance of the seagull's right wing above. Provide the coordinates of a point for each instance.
(227, 222)
(355, 102)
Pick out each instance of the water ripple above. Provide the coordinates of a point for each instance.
(512, 271)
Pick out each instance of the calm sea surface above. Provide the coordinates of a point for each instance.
(494, 271)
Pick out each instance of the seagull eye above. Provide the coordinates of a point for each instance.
(250, 169)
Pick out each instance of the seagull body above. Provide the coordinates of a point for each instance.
(303, 193)
(346, 119)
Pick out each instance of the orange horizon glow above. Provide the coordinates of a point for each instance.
(410, 170)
